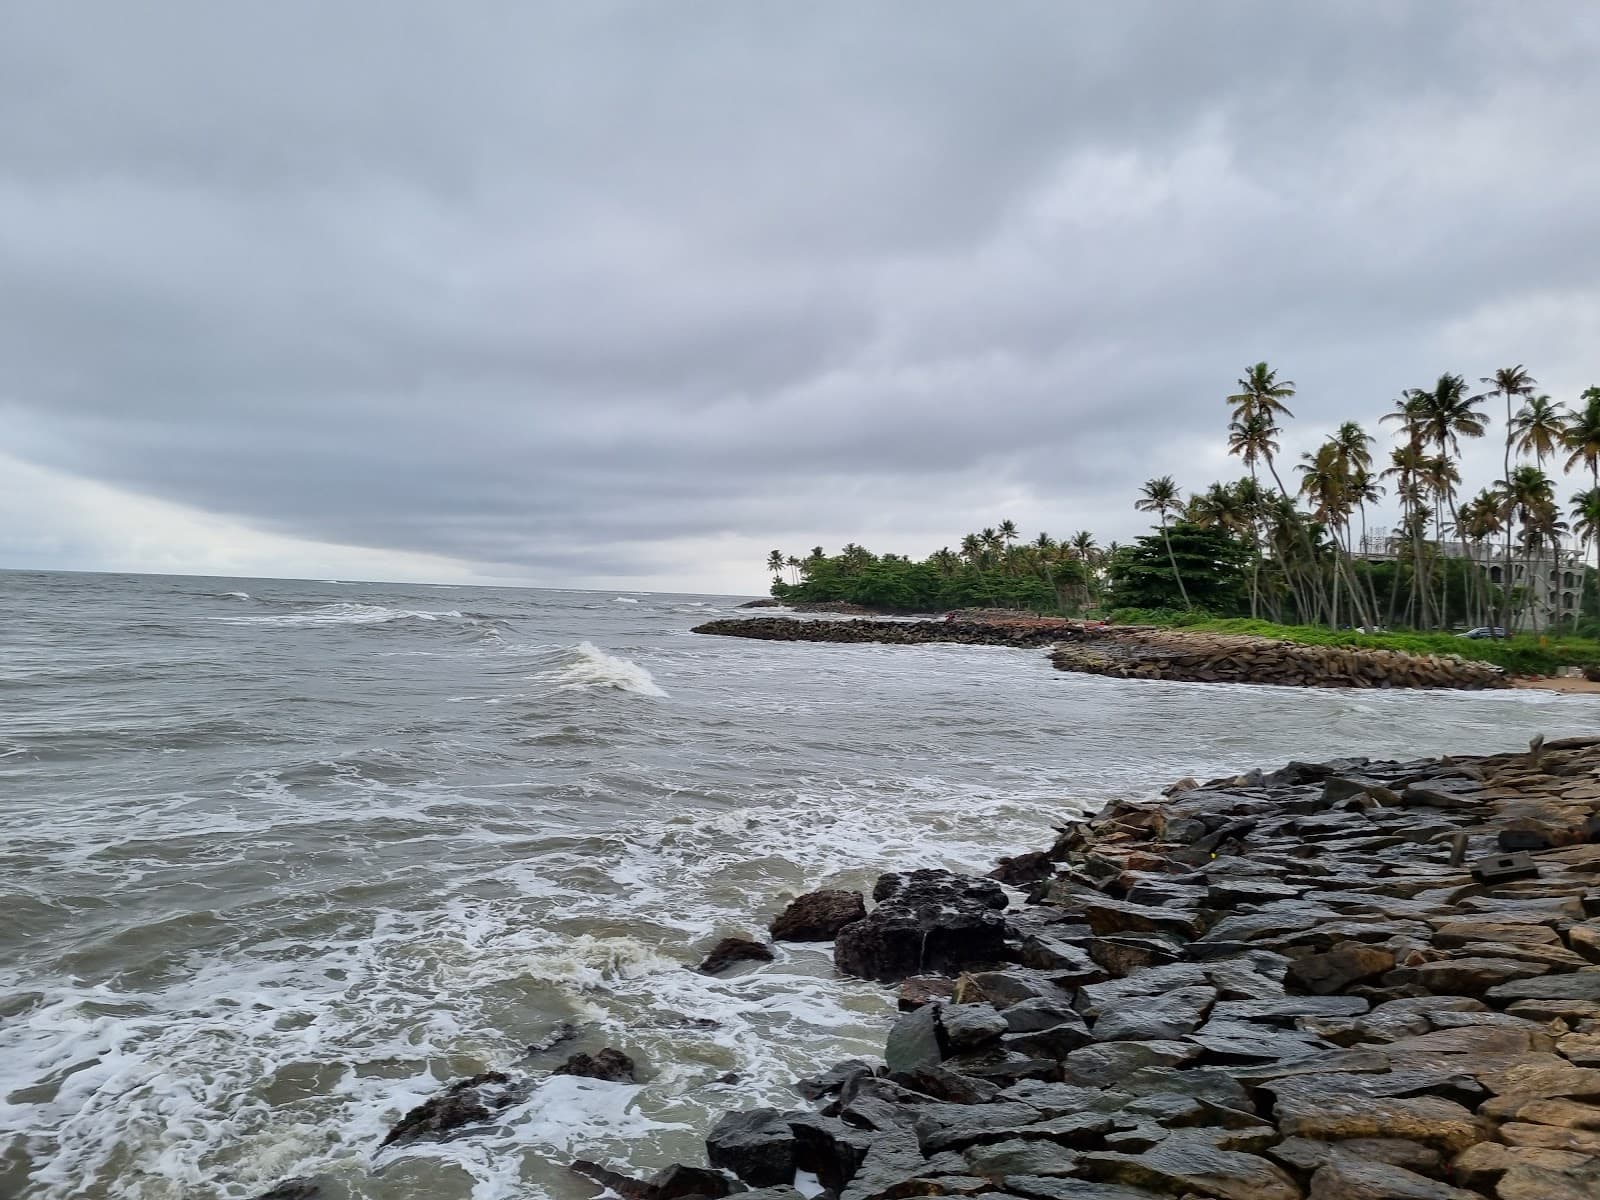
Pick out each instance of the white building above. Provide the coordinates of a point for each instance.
(1552, 583)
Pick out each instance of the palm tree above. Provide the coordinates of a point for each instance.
(775, 562)
(1540, 427)
(1585, 512)
(1528, 501)
(1083, 546)
(1508, 382)
(1008, 531)
(1582, 437)
(794, 565)
(971, 549)
(1160, 496)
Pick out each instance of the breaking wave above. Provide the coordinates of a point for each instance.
(623, 600)
(590, 668)
(353, 614)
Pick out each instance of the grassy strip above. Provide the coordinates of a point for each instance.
(1524, 654)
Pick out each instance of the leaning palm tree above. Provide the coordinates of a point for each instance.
(1585, 510)
(1160, 496)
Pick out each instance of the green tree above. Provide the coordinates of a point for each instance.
(1160, 496)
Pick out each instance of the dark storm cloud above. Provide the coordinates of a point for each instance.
(563, 289)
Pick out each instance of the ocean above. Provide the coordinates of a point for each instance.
(281, 858)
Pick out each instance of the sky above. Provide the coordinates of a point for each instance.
(628, 294)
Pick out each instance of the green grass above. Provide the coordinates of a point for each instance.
(1524, 654)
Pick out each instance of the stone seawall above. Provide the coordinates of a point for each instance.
(1146, 652)
(1139, 653)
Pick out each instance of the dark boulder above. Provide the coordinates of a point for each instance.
(916, 1040)
(731, 951)
(1338, 968)
(464, 1102)
(757, 1145)
(927, 920)
(818, 916)
(293, 1189)
(831, 1081)
(612, 1066)
(676, 1182)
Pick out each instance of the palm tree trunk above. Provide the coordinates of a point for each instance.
(1171, 558)
(1505, 599)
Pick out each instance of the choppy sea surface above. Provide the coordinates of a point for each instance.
(279, 858)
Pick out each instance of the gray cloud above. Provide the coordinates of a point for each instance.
(567, 292)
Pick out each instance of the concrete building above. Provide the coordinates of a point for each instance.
(1552, 583)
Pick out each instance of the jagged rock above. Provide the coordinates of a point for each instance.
(1544, 1075)
(818, 916)
(928, 920)
(1040, 1012)
(943, 1084)
(831, 1081)
(1040, 1187)
(1186, 1161)
(1123, 954)
(612, 1066)
(1024, 868)
(1107, 916)
(1155, 1018)
(1032, 1156)
(464, 1102)
(1002, 989)
(757, 1145)
(1337, 969)
(1065, 961)
(829, 1149)
(731, 951)
(1549, 1137)
(916, 1040)
(956, 1127)
(1056, 1041)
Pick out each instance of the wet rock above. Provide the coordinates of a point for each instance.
(610, 1065)
(925, 989)
(731, 951)
(916, 1040)
(941, 1083)
(830, 1149)
(676, 1182)
(1247, 1042)
(1550, 1137)
(1057, 1041)
(294, 1189)
(1107, 916)
(1155, 1018)
(1024, 868)
(818, 916)
(757, 1145)
(968, 1026)
(1464, 976)
(1187, 1162)
(1544, 1076)
(465, 1102)
(1065, 961)
(829, 1082)
(1124, 954)
(1002, 989)
(1003, 1066)
(1041, 1187)
(1337, 969)
(925, 921)
(1346, 1177)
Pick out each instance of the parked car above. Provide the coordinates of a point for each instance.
(1484, 631)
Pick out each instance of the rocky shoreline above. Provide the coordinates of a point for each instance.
(1348, 981)
(1145, 652)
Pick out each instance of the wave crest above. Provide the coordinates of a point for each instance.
(354, 614)
(590, 668)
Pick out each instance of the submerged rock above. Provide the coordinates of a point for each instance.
(612, 1066)
(464, 1102)
(731, 951)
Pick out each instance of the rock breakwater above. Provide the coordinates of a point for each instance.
(1349, 981)
(1146, 652)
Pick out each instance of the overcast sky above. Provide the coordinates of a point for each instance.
(626, 295)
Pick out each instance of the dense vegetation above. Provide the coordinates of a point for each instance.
(1254, 547)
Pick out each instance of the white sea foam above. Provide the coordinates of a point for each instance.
(234, 596)
(350, 614)
(590, 668)
(623, 600)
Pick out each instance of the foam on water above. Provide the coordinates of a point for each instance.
(623, 600)
(590, 668)
(350, 614)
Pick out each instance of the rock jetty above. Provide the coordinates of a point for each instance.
(1349, 981)
(1147, 652)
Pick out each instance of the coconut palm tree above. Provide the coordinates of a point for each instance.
(1585, 511)
(1008, 531)
(1160, 496)
(1509, 382)
(775, 562)
(1528, 501)
(1540, 427)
